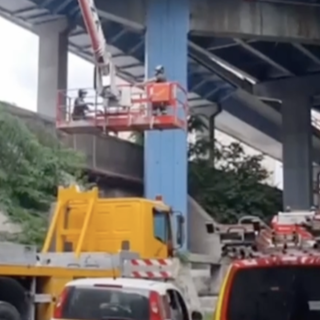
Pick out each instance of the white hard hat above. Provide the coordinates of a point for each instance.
(159, 68)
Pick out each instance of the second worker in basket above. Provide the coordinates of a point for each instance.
(159, 77)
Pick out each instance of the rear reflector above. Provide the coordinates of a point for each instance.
(58, 309)
(155, 307)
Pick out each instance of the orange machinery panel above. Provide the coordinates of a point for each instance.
(162, 93)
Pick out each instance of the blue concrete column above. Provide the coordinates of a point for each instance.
(297, 154)
(53, 64)
(166, 151)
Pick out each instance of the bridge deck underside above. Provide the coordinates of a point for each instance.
(209, 82)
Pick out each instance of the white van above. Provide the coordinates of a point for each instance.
(121, 299)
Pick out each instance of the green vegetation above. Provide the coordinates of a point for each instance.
(32, 164)
(235, 185)
(209, 316)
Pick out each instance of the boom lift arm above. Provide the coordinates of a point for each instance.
(105, 70)
(159, 105)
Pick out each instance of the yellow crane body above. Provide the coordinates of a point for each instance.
(88, 237)
(84, 222)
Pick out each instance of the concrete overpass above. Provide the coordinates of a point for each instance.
(271, 44)
(244, 116)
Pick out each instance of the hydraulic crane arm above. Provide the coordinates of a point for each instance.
(105, 72)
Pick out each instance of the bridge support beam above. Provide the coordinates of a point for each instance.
(166, 151)
(53, 65)
(259, 20)
(232, 18)
(296, 136)
(297, 155)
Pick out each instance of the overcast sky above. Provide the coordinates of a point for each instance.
(19, 67)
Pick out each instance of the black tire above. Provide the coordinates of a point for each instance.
(8, 311)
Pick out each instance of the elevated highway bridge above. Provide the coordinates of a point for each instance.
(257, 61)
(214, 49)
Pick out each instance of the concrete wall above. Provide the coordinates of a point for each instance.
(199, 237)
(105, 155)
(109, 155)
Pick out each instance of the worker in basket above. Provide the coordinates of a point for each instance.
(81, 107)
(159, 77)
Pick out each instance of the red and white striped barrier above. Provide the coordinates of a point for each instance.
(149, 268)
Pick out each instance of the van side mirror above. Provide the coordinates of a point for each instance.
(180, 236)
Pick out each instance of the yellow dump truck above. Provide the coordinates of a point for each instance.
(83, 222)
(88, 237)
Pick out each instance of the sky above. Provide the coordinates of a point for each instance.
(19, 67)
(19, 73)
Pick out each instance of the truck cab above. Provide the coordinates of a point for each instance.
(271, 288)
(274, 272)
(84, 222)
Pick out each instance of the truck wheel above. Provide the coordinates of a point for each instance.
(8, 311)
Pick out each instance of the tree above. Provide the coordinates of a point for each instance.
(235, 186)
(33, 163)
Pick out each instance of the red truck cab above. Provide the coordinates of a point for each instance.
(271, 288)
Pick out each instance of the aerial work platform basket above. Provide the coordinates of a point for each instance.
(158, 106)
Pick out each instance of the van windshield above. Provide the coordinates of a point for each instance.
(88, 303)
(275, 293)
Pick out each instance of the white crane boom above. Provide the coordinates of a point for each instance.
(105, 72)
